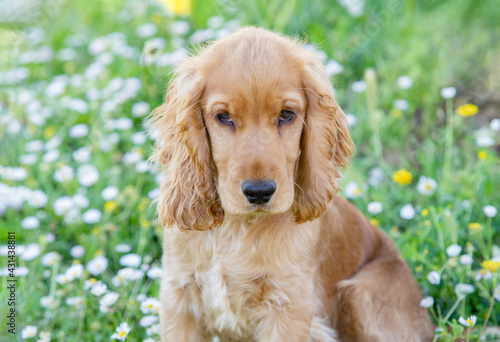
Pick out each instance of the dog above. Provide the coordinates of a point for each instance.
(259, 247)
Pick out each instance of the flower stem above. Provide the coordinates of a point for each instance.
(492, 302)
(448, 137)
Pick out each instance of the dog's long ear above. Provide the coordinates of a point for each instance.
(325, 145)
(188, 197)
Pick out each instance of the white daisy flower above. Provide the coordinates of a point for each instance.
(28, 331)
(352, 190)
(77, 251)
(469, 322)
(374, 208)
(405, 82)
(97, 265)
(401, 104)
(50, 259)
(426, 185)
(333, 67)
(80, 201)
(74, 272)
(64, 174)
(123, 248)
(77, 302)
(147, 321)
(88, 175)
(121, 332)
(155, 272)
(150, 306)
(466, 259)
(448, 92)
(453, 250)
(434, 278)
(427, 302)
(407, 212)
(79, 131)
(358, 87)
(48, 302)
(82, 155)
(146, 30)
(99, 289)
(352, 120)
(30, 222)
(91, 216)
(130, 260)
(462, 289)
(490, 211)
(32, 251)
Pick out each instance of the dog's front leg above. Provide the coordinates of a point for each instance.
(288, 318)
(178, 322)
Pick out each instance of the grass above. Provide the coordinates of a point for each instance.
(437, 44)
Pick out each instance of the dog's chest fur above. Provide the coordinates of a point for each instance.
(234, 283)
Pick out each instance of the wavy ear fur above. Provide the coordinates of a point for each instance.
(188, 197)
(325, 145)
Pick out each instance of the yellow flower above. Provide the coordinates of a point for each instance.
(467, 110)
(425, 212)
(490, 265)
(49, 132)
(178, 7)
(96, 231)
(374, 221)
(482, 155)
(396, 113)
(145, 224)
(427, 223)
(474, 226)
(110, 206)
(402, 177)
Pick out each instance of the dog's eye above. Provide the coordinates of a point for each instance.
(286, 116)
(225, 118)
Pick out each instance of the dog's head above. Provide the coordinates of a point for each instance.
(250, 125)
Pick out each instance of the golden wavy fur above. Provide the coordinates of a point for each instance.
(300, 264)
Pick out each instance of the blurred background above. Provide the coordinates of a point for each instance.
(418, 80)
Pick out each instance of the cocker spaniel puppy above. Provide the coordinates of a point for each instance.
(259, 248)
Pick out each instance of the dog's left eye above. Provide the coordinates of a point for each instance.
(286, 116)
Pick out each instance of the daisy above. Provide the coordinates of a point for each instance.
(407, 212)
(150, 306)
(405, 82)
(469, 322)
(79, 131)
(121, 332)
(88, 175)
(374, 208)
(91, 216)
(28, 331)
(30, 222)
(77, 251)
(97, 265)
(130, 260)
(50, 259)
(99, 289)
(427, 302)
(426, 185)
(434, 278)
(64, 174)
(352, 190)
(110, 193)
(490, 211)
(448, 92)
(453, 250)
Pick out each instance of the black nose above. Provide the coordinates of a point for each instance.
(258, 191)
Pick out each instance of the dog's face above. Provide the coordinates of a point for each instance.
(254, 113)
(250, 125)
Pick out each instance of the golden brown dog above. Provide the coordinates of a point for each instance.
(260, 249)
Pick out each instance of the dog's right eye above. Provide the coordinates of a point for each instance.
(225, 118)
